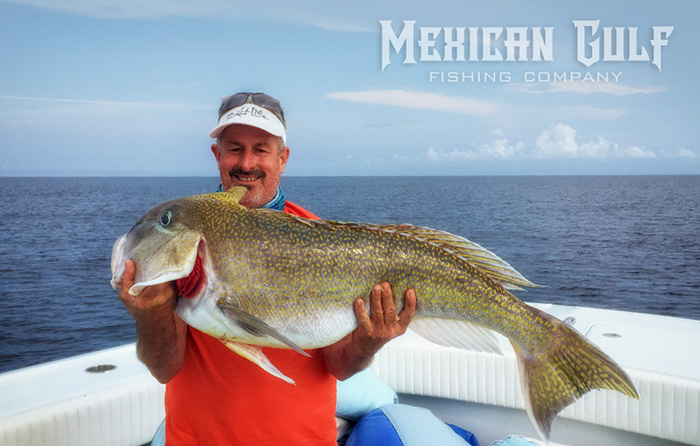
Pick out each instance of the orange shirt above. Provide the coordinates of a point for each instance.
(220, 398)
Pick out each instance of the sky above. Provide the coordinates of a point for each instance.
(127, 87)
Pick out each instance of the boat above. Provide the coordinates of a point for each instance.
(109, 398)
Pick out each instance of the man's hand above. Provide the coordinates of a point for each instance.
(153, 304)
(161, 333)
(384, 324)
(355, 352)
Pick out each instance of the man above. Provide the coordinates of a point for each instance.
(214, 396)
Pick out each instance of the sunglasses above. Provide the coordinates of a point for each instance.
(260, 99)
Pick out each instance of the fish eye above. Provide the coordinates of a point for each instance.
(166, 217)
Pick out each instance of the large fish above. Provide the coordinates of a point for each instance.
(257, 277)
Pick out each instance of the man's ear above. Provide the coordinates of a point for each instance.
(284, 156)
(215, 151)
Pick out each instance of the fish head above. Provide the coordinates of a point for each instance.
(163, 245)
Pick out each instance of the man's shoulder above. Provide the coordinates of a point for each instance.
(299, 211)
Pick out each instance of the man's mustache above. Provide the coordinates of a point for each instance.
(251, 173)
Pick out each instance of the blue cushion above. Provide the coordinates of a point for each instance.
(159, 437)
(362, 393)
(402, 425)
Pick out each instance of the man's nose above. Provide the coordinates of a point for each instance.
(247, 161)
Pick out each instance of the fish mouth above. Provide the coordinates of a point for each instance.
(190, 285)
(117, 262)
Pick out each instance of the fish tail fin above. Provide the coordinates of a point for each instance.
(554, 378)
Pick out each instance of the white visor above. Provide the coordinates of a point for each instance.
(254, 116)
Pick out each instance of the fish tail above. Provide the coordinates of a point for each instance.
(555, 377)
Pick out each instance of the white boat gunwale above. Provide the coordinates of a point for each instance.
(60, 401)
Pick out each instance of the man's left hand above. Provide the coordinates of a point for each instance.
(384, 324)
(355, 352)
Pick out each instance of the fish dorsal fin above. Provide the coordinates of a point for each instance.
(476, 255)
(235, 194)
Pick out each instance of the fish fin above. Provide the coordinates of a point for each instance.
(565, 370)
(285, 216)
(256, 326)
(254, 354)
(456, 333)
(476, 255)
(233, 195)
(237, 192)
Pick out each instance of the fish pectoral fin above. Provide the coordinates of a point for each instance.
(256, 326)
(457, 333)
(254, 354)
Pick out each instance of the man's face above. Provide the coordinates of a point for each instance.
(250, 157)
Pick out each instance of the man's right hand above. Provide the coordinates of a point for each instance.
(161, 333)
(153, 304)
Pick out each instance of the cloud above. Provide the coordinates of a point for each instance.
(589, 112)
(306, 13)
(81, 120)
(47, 101)
(501, 149)
(685, 153)
(581, 87)
(125, 9)
(498, 149)
(329, 21)
(18, 112)
(560, 142)
(614, 89)
(419, 100)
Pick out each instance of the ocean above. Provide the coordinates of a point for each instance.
(620, 242)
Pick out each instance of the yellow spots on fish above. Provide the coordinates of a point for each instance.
(266, 257)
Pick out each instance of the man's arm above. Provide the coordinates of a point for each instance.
(354, 352)
(161, 333)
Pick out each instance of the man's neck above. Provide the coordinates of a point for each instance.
(277, 202)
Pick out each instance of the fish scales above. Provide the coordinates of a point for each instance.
(271, 279)
(357, 256)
